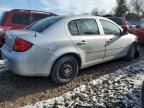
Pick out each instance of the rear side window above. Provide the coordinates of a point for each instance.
(21, 19)
(73, 28)
(87, 26)
(43, 24)
(83, 27)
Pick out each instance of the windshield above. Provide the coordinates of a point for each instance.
(43, 24)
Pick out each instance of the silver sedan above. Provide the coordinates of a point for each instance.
(60, 46)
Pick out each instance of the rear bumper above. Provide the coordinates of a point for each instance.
(28, 63)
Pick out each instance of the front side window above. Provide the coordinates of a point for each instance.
(21, 19)
(110, 28)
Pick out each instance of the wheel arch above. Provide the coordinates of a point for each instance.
(76, 56)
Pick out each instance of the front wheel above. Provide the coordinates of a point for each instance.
(64, 70)
(142, 96)
(131, 52)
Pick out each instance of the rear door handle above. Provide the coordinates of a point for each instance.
(83, 42)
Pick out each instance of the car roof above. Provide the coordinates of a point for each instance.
(84, 16)
(32, 11)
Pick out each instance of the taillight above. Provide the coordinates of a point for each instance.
(21, 45)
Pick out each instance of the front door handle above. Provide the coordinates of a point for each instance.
(110, 40)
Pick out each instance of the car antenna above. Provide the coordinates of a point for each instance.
(35, 33)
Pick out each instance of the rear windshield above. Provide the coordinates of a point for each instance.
(43, 24)
(117, 20)
(2, 17)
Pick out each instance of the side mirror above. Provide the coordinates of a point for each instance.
(124, 32)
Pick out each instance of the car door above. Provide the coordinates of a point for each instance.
(87, 39)
(115, 43)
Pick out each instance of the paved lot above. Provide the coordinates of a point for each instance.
(18, 91)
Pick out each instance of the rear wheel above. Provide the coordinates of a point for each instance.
(64, 70)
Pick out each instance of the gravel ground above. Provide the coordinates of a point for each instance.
(120, 89)
(16, 91)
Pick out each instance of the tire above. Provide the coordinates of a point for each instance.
(142, 96)
(137, 53)
(64, 70)
(131, 53)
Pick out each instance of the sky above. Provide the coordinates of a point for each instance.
(61, 7)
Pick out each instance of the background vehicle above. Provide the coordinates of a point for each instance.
(120, 21)
(19, 19)
(60, 46)
(139, 31)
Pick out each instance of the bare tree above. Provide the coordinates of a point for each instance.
(121, 8)
(96, 12)
(102, 12)
(138, 6)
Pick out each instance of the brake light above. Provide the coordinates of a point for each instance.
(21, 45)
